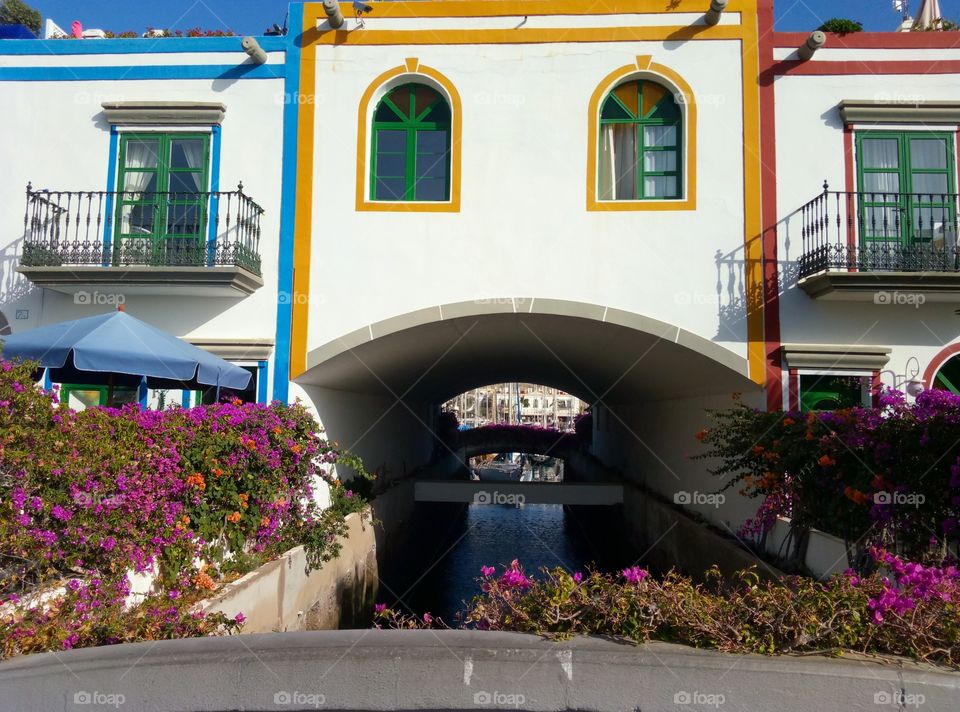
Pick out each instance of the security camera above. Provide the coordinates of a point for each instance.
(362, 8)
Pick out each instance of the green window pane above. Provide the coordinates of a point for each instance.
(881, 153)
(142, 153)
(187, 153)
(613, 110)
(660, 135)
(928, 153)
(930, 183)
(431, 189)
(660, 186)
(439, 114)
(391, 188)
(881, 182)
(385, 113)
(830, 392)
(660, 161)
(186, 182)
(391, 165)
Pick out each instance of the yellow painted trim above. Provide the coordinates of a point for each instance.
(522, 36)
(303, 221)
(643, 63)
(532, 8)
(363, 203)
(752, 201)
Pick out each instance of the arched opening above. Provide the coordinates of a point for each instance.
(947, 377)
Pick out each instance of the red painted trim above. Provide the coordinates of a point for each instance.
(794, 390)
(768, 193)
(875, 386)
(813, 68)
(849, 183)
(875, 40)
(936, 363)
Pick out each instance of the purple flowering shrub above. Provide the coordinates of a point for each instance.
(886, 476)
(740, 615)
(86, 497)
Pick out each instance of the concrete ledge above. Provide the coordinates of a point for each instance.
(227, 281)
(866, 286)
(434, 670)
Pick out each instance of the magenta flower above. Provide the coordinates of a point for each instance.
(488, 570)
(634, 574)
(380, 608)
(427, 618)
(577, 577)
(239, 619)
(514, 576)
(348, 494)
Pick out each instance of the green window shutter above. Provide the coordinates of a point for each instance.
(410, 147)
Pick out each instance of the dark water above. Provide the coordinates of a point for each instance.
(449, 543)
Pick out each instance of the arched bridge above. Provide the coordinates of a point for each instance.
(515, 438)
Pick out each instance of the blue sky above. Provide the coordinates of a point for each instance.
(254, 16)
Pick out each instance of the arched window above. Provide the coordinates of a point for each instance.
(640, 143)
(411, 145)
(948, 377)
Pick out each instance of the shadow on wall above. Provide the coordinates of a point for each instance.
(14, 287)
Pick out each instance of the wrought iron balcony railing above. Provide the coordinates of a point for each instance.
(125, 229)
(879, 232)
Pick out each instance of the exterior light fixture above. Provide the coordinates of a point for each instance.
(815, 41)
(713, 14)
(334, 16)
(908, 380)
(253, 48)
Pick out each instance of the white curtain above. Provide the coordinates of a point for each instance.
(135, 219)
(193, 154)
(618, 162)
(881, 153)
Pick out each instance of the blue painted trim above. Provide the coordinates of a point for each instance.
(185, 398)
(166, 71)
(261, 381)
(111, 187)
(142, 393)
(288, 212)
(144, 45)
(47, 383)
(214, 206)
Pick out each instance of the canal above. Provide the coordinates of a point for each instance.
(448, 544)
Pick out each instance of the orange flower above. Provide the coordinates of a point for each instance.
(788, 422)
(702, 435)
(250, 444)
(185, 519)
(758, 449)
(827, 461)
(217, 471)
(234, 518)
(296, 448)
(204, 580)
(808, 436)
(264, 521)
(277, 430)
(196, 480)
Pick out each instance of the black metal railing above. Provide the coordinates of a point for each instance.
(879, 232)
(125, 228)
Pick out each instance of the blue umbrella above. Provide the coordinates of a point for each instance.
(116, 349)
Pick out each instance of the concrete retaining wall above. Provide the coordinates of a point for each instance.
(672, 539)
(279, 596)
(444, 670)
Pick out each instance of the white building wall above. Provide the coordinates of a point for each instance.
(55, 135)
(524, 151)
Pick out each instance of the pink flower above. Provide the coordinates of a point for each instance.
(634, 574)
(427, 618)
(577, 577)
(380, 608)
(239, 619)
(348, 494)
(488, 570)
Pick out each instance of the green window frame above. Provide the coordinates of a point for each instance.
(410, 149)
(641, 143)
(162, 199)
(91, 396)
(831, 391)
(905, 197)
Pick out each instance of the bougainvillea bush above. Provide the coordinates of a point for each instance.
(914, 614)
(87, 497)
(886, 476)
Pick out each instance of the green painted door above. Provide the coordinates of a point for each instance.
(162, 202)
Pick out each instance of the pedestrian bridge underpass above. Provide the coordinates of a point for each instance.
(519, 493)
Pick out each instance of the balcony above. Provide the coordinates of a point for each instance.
(185, 244)
(860, 245)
